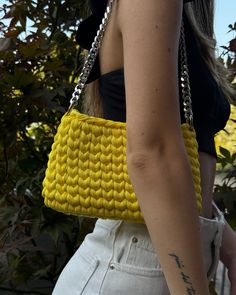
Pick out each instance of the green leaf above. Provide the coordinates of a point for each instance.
(225, 153)
(42, 272)
(233, 157)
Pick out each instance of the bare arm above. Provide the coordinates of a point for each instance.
(228, 254)
(156, 157)
(228, 246)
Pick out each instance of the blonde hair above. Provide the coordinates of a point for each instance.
(201, 17)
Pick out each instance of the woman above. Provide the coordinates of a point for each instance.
(137, 70)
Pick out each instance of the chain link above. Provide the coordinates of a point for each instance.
(90, 60)
(184, 79)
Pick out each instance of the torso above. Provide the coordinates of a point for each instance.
(111, 58)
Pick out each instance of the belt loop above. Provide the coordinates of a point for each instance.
(220, 224)
(218, 212)
(116, 228)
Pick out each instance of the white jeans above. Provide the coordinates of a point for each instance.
(118, 258)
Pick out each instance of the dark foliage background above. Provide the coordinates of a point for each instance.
(39, 66)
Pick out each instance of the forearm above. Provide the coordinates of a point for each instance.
(166, 196)
(228, 246)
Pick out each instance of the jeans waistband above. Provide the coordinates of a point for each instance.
(109, 224)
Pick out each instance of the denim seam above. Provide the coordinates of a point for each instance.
(115, 229)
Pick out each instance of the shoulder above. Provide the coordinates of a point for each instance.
(150, 33)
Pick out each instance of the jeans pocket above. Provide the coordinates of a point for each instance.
(137, 257)
(128, 279)
(76, 274)
(137, 270)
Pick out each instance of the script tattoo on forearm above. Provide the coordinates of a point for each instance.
(186, 279)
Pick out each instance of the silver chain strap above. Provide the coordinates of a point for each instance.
(90, 60)
(184, 78)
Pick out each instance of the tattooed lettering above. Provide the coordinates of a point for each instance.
(190, 291)
(177, 260)
(186, 279)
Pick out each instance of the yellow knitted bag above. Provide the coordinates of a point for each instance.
(87, 172)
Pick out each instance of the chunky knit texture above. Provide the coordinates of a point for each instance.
(87, 171)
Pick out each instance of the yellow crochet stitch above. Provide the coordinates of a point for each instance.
(87, 172)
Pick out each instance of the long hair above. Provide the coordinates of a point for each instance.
(201, 14)
(201, 17)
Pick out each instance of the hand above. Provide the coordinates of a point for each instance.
(232, 275)
(228, 255)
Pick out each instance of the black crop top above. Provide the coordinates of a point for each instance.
(211, 108)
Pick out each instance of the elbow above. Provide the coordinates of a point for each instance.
(143, 149)
(138, 160)
(145, 142)
(162, 153)
(154, 148)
